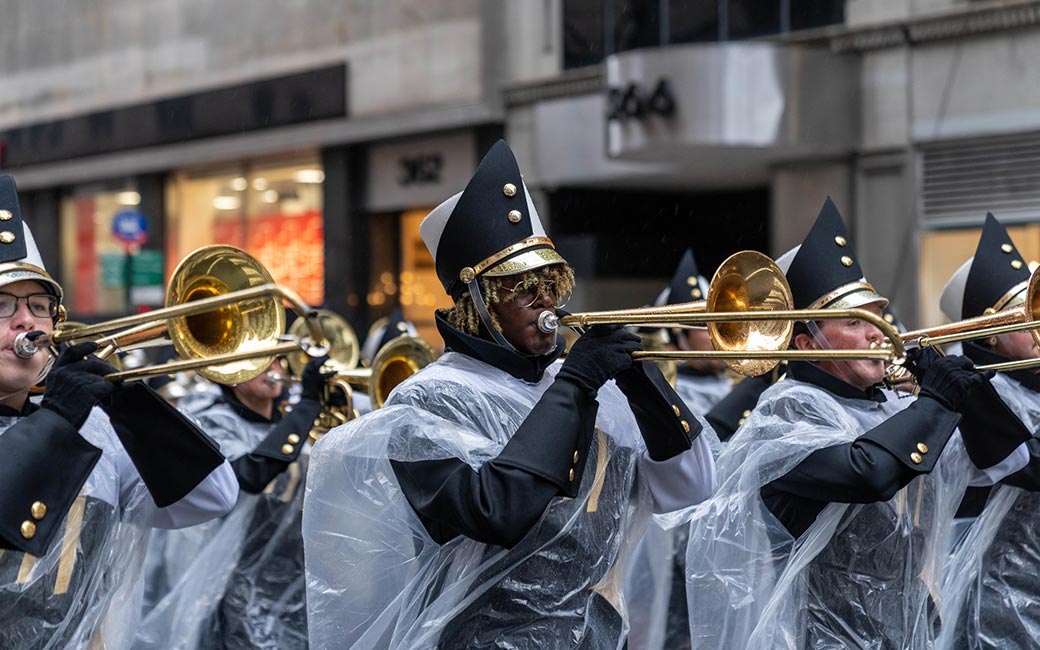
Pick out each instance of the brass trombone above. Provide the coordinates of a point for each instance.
(749, 316)
(223, 315)
(398, 360)
(750, 321)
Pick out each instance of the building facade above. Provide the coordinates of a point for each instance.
(317, 134)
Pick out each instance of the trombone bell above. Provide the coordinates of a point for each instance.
(250, 325)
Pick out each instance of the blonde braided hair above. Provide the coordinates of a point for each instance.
(463, 314)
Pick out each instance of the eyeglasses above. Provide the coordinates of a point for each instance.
(527, 297)
(41, 305)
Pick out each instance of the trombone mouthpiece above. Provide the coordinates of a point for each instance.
(548, 322)
(24, 346)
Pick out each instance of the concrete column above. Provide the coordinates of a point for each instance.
(346, 234)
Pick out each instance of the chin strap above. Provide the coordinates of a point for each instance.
(485, 315)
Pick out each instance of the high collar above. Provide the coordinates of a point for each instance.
(810, 373)
(687, 371)
(981, 355)
(28, 409)
(227, 396)
(525, 368)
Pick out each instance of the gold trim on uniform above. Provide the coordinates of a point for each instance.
(69, 545)
(1008, 299)
(838, 295)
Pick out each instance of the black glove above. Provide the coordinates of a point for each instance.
(600, 354)
(77, 383)
(948, 380)
(313, 380)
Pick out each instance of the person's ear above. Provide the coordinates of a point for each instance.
(805, 342)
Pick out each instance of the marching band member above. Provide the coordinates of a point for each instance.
(378, 337)
(990, 593)
(829, 526)
(239, 584)
(700, 382)
(82, 484)
(492, 501)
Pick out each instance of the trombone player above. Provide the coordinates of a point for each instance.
(247, 571)
(82, 484)
(494, 497)
(991, 591)
(829, 528)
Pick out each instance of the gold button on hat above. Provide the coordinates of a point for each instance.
(293, 439)
(916, 458)
(28, 529)
(685, 425)
(7, 237)
(515, 216)
(840, 241)
(846, 260)
(576, 456)
(570, 475)
(675, 407)
(740, 422)
(38, 510)
(509, 189)
(1016, 264)
(1007, 248)
(6, 215)
(923, 448)
(747, 412)
(288, 449)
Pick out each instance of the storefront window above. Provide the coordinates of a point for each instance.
(97, 278)
(273, 211)
(421, 291)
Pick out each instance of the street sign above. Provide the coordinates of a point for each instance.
(130, 227)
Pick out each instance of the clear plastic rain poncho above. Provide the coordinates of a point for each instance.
(701, 392)
(237, 582)
(655, 586)
(991, 588)
(375, 578)
(85, 592)
(861, 576)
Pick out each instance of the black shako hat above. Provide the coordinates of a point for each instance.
(823, 271)
(19, 257)
(384, 330)
(995, 279)
(687, 284)
(491, 228)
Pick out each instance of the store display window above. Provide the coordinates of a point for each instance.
(272, 210)
(106, 274)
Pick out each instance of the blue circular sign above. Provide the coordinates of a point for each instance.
(130, 227)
